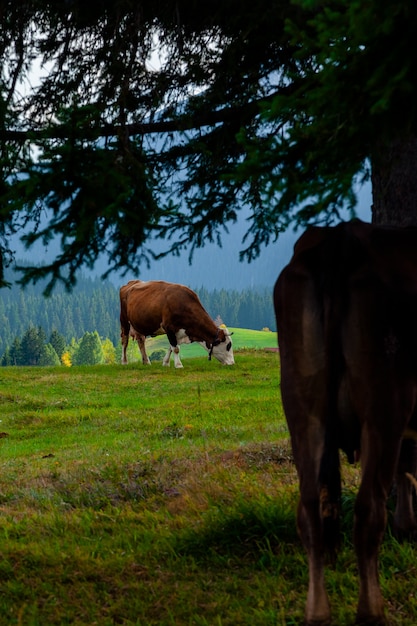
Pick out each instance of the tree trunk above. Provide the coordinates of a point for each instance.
(394, 183)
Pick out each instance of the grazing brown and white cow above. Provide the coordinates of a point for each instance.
(156, 307)
(346, 308)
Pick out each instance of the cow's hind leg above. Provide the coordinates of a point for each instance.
(141, 344)
(304, 389)
(317, 610)
(378, 465)
(125, 342)
(317, 512)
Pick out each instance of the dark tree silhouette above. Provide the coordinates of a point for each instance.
(163, 119)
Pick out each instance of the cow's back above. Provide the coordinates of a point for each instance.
(150, 304)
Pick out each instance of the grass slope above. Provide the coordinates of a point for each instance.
(153, 496)
(243, 338)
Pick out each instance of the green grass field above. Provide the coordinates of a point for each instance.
(242, 339)
(153, 496)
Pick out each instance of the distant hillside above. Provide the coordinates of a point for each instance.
(242, 338)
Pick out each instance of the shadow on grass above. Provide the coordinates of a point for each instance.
(254, 531)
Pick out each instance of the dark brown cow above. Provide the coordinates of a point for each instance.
(346, 308)
(149, 308)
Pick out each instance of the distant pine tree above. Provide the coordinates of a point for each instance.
(49, 356)
(90, 350)
(12, 355)
(33, 342)
(58, 342)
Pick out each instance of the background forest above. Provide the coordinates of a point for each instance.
(91, 311)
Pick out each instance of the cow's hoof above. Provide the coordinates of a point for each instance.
(370, 620)
(318, 622)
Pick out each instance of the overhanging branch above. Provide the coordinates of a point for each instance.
(184, 123)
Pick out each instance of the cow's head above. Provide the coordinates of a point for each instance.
(221, 347)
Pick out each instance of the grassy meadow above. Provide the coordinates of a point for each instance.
(152, 496)
(243, 338)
